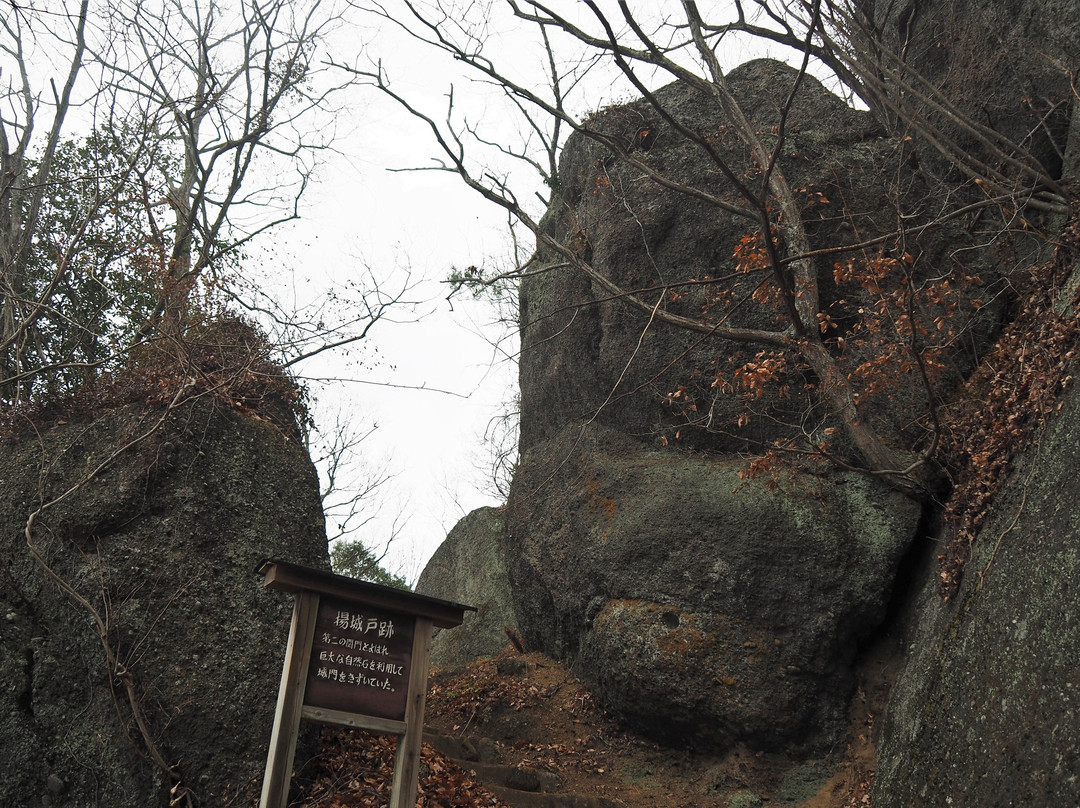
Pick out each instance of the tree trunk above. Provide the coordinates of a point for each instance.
(902, 470)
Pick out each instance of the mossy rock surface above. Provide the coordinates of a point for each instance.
(470, 568)
(163, 543)
(587, 354)
(698, 606)
(986, 709)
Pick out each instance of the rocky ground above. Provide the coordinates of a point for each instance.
(522, 731)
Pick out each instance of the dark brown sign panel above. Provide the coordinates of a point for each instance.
(360, 660)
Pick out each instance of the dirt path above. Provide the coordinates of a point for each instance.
(523, 731)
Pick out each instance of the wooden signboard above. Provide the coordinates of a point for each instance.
(360, 660)
(358, 657)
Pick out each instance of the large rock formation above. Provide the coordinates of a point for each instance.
(692, 610)
(695, 611)
(986, 710)
(699, 613)
(155, 528)
(470, 567)
(587, 356)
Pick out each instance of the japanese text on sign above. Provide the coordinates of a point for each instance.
(360, 660)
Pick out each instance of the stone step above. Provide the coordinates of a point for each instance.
(518, 778)
(463, 747)
(519, 786)
(532, 799)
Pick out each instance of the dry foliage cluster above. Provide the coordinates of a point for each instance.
(227, 358)
(1011, 395)
(556, 757)
(356, 770)
(464, 697)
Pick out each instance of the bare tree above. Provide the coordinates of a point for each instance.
(355, 495)
(847, 37)
(219, 113)
(235, 88)
(22, 183)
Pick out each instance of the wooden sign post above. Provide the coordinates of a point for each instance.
(357, 656)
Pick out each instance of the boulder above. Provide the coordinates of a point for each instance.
(470, 568)
(985, 711)
(586, 355)
(1005, 66)
(698, 606)
(161, 546)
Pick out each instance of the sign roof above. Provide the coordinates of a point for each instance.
(293, 577)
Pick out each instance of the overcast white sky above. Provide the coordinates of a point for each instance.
(410, 228)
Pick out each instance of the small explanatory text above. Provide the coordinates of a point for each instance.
(360, 660)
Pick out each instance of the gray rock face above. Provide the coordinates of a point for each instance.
(986, 710)
(1003, 65)
(585, 355)
(695, 612)
(163, 544)
(470, 568)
